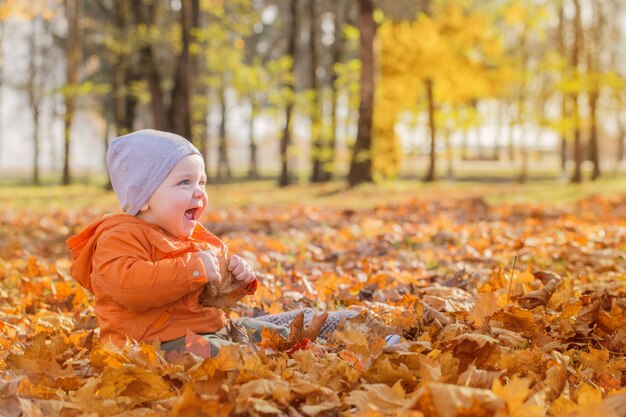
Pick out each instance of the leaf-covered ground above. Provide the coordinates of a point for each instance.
(505, 310)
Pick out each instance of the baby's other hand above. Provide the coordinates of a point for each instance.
(241, 270)
(211, 266)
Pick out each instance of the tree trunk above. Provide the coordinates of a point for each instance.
(563, 149)
(564, 98)
(145, 15)
(253, 172)
(205, 144)
(317, 144)
(124, 103)
(621, 146)
(430, 176)
(285, 141)
(594, 153)
(500, 133)
(577, 175)
(593, 67)
(34, 96)
(107, 132)
(361, 163)
(180, 104)
(521, 108)
(72, 51)
(36, 142)
(511, 134)
(464, 145)
(223, 166)
(523, 174)
(336, 56)
(199, 90)
(450, 172)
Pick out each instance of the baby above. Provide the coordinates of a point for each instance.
(147, 267)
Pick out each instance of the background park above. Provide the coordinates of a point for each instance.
(454, 168)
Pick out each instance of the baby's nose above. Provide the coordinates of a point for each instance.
(198, 192)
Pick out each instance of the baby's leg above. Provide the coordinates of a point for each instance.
(254, 327)
(216, 340)
(332, 321)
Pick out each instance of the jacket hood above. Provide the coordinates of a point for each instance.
(83, 245)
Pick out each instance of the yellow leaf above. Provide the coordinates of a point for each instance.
(485, 306)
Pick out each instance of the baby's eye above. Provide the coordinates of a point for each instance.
(202, 182)
(184, 182)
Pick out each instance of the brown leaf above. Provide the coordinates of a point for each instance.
(478, 378)
(9, 403)
(136, 384)
(587, 318)
(617, 341)
(217, 294)
(515, 394)
(317, 399)
(486, 305)
(609, 322)
(238, 334)
(313, 329)
(517, 320)
(540, 297)
(448, 400)
(556, 376)
(476, 348)
(613, 406)
(197, 345)
(385, 370)
(296, 329)
(190, 404)
(380, 397)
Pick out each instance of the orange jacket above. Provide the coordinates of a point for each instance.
(146, 282)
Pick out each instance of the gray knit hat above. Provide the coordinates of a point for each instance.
(139, 162)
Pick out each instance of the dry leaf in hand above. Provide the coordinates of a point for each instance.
(217, 294)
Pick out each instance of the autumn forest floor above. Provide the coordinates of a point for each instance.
(510, 301)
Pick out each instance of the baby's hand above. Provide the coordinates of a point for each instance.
(211, 266)
(241, 270)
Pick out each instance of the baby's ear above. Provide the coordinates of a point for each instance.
(146, 207)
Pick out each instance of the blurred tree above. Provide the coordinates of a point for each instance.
(317, 142)
(73, 57)
(432, 57)
(221, 41)
(223, 164)
(592, 55)
(39, 82)
(564, 99)
(293, 34)
(361, 162)
(429, 85)
(576, 49)
(337, 53)
(176, 116)
(526, 88)
(124, 73)
(247, 82)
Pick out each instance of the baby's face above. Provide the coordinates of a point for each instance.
(180, 200)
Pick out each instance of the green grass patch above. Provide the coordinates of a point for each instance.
(266, 193)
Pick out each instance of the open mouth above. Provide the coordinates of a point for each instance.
(191, 214)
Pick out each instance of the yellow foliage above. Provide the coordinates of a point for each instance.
(449, 48)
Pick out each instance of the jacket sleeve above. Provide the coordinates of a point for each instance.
(241, 292)
(124, 272)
